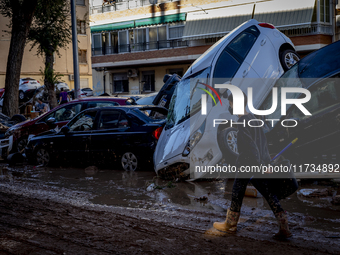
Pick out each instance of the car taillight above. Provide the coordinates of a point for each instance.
(157, 133)
(267, 25)
(38, 81)
(25, 82)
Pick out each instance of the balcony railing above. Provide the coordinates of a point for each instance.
(137, 47)
(125, 5)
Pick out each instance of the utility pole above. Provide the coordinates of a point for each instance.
(75, 50)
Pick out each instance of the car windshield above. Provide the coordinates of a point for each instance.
(184, 100)
(289, 79)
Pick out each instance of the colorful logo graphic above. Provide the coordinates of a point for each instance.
(213, 90)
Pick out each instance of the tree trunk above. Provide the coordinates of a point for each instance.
(21, 21)
(49, 77)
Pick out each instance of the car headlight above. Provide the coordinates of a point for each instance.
(194, 139)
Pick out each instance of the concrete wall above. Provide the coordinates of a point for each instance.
(32, 63)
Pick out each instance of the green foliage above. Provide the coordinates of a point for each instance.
(50, 75)
(51, 28)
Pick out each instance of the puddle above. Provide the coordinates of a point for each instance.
(128, 189)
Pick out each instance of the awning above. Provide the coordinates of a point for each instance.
(215, 22)
(139, 22)
(160, 20)
(288, 14)
(113, 26)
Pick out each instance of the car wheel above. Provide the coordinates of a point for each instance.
(42, 156)
(18, 118)
(21, 144)
(289, 58)
(129, 161)
(21, 95)
(228, 144)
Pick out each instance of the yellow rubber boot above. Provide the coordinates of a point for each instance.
(230, 224)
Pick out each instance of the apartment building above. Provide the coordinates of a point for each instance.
(136, 42)
(32, 64)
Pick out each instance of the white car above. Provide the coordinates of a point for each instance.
(253, 54)
(86, 92)
(27, 87)
(60, 85)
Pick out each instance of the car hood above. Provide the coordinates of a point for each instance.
(172, 142)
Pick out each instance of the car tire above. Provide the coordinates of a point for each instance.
(288, 58)
(21, 95)
(228, 144)
(21, 143)
(42, 156)
(17, 118)
(129, 161)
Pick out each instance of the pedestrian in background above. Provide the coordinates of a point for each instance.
(253, 150)
(64, 97)
(40, 107)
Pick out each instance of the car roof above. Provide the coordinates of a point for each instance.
(321, 63)
(206, 59)
(88, 99)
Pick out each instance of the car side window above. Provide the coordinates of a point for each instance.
(83, 122)
(68, 112)
(226, 66)
(324, 95)
(109, 119)
(101, 104)
(242, 44)
(233, 55)
(123, 121)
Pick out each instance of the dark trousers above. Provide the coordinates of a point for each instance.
(63, 102)
(262, 185)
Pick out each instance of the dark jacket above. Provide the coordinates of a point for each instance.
(251, 143)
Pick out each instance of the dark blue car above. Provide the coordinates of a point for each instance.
(318, 134)
(101, 135)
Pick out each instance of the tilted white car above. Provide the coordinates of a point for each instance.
(27, 87)
(253, 54)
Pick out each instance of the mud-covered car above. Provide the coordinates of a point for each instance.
(107, 135)
(57, 117)
(254, 54)
(319, 133)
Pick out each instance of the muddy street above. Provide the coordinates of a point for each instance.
(100, 211)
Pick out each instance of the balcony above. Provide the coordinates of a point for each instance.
(138, 47)
(125, 5)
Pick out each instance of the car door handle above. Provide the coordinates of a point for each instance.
(263, 42)
(245, 72)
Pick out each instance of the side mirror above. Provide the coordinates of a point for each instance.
(50, 120)
(65, 129)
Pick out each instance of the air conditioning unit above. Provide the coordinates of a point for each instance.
(132, 73)
(71, 77)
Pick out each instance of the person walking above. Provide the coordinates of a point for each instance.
(64, 97)
(253, 150)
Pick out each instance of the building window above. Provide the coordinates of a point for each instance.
(178, 71)
(176, 32)
(81, 27)
(148, 81)
(82, 56)
(80, 2)
(325, 11)
(120, 83)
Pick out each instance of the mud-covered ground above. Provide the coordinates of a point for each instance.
(40, 216)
